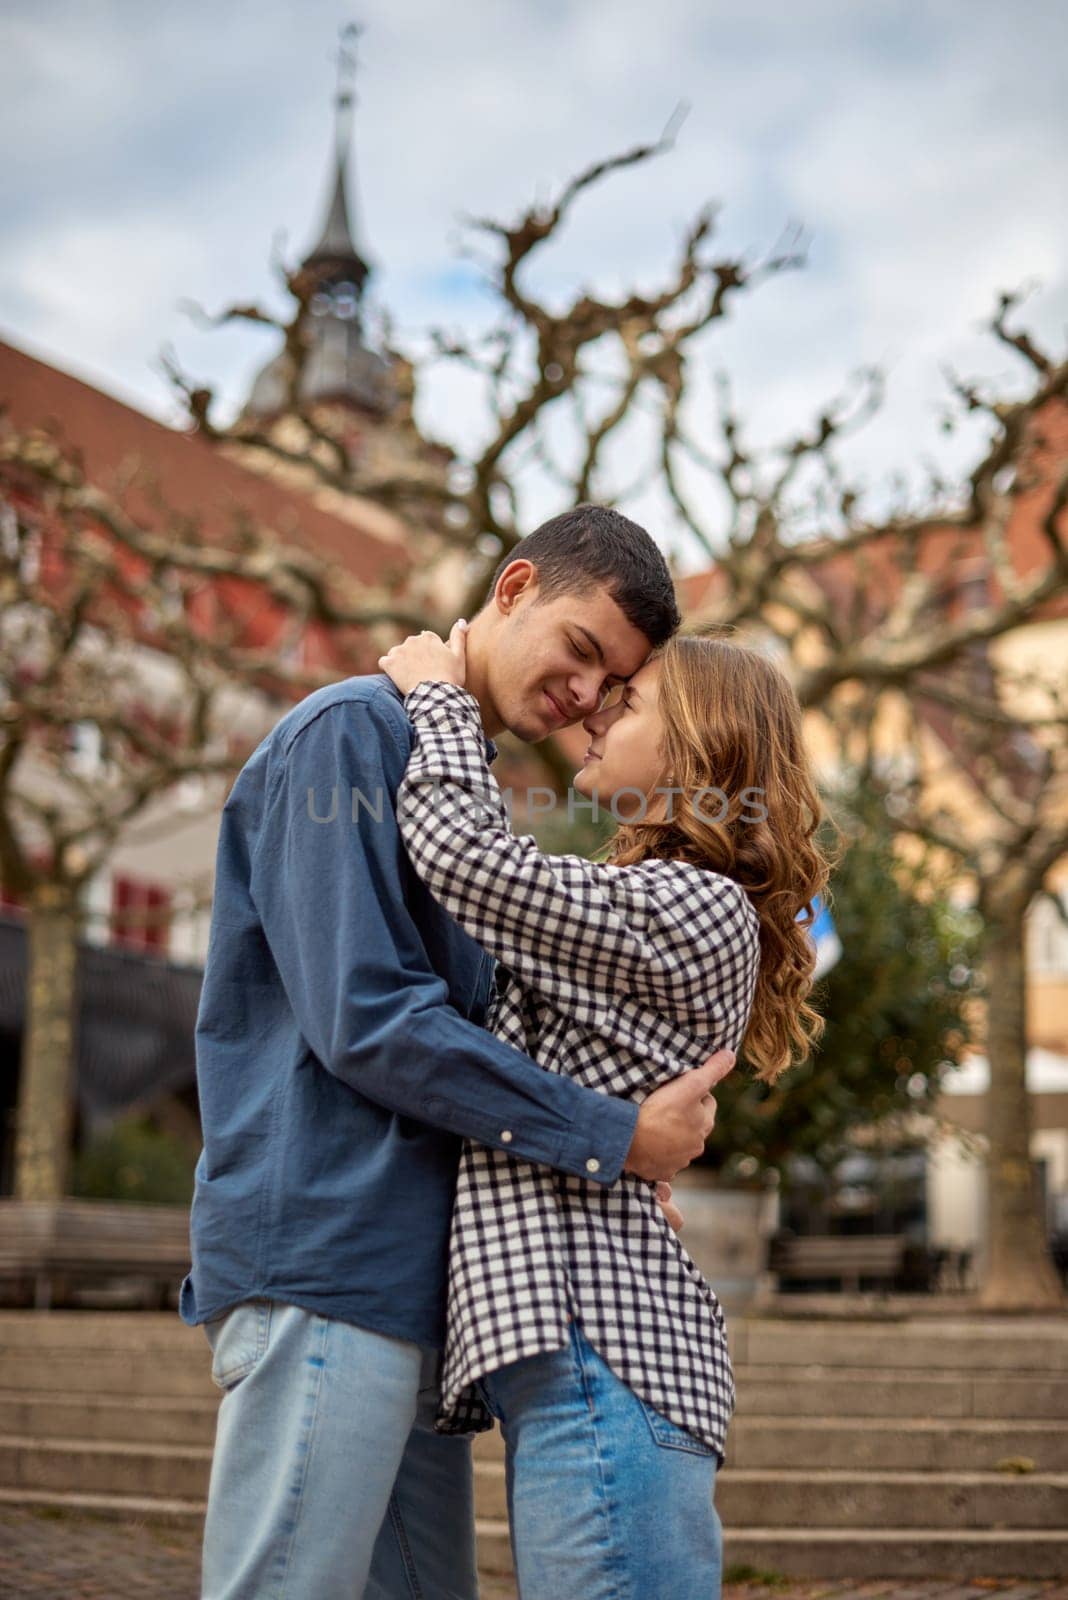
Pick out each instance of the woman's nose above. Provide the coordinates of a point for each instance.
(601, 719)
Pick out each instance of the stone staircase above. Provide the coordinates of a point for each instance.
(860, 1449)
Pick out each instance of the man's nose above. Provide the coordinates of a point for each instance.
(586, 695)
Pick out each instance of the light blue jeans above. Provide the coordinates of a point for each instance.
(607, 1499)
(328, 1482)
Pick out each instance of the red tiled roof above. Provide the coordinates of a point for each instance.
(191, 476)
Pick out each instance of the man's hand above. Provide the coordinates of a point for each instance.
(668, 1206)
(423, 657)
(675, 1121)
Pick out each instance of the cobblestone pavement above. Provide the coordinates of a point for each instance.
(46, 1555)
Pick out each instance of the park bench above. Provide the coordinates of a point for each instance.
(48, 1248)
(847, 1258)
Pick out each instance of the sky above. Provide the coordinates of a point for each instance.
(162, 150)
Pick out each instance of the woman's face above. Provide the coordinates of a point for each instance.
(624, 749)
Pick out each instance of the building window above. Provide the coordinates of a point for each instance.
(1047, 942)
(140, 914)
(85, 749)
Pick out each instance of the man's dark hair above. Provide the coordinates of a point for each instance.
(592, 547)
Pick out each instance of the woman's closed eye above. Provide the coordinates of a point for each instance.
(612, 696)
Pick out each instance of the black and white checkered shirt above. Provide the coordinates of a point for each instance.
(621, 977)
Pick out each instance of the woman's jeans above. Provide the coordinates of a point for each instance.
(607, 1499)
(328, 1482)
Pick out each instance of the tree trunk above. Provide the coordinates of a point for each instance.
(45, 1108)
(1020, 1273)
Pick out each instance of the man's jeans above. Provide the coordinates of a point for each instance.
(607, 1499)
(328, 1482)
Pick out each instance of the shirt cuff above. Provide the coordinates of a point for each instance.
(439, 702)
(597, 1144)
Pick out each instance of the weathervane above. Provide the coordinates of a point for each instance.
(348, 38)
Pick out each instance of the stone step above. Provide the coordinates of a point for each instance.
(804, 1497)
(826, 1498)
(99, 1330)
(494, 1549)
(903, 1444)
(898, 1553)
(806, 1551)
(967, 1444)
(816, 1391)
(136, 1418)
(154, 1471)
(974, 1345)
(107, 1418)
(491, 1499)
(793, 1552)
(160, 1471)
(861, 1443)
(122, 1506)
(117, 1372)
(954, 1350)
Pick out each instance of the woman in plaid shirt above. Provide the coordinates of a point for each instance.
(575, 1317)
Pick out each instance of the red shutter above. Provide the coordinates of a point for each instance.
(139, 919)
(122, 894)
(157, 927)
(10, 901)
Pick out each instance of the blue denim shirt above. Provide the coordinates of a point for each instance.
(339, 1054)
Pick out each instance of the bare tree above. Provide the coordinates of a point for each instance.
(861, 599)
(892, 625)
(115, 685)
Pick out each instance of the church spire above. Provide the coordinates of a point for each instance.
(335, 258)
(339, 368)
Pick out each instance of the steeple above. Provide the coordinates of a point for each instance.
(336, 257)
(338, 367)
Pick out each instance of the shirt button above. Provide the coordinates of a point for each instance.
(593, 1165)
(506, 1136)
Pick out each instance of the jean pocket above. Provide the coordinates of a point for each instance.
(238, 1340)
(669, 1436)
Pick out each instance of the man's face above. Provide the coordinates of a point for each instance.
(552, 661)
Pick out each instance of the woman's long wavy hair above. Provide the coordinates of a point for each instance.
(732, 723)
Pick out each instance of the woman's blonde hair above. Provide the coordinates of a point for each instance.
(732, 723)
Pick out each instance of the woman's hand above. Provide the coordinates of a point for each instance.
(423, 657)
(668, 1206)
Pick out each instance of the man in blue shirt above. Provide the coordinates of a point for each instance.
(340, 1060)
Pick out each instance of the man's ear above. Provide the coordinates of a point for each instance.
(519, 579)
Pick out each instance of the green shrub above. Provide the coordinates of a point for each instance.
(896, 1005)
(135, 1160)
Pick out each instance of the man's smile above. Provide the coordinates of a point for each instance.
(558, 710)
